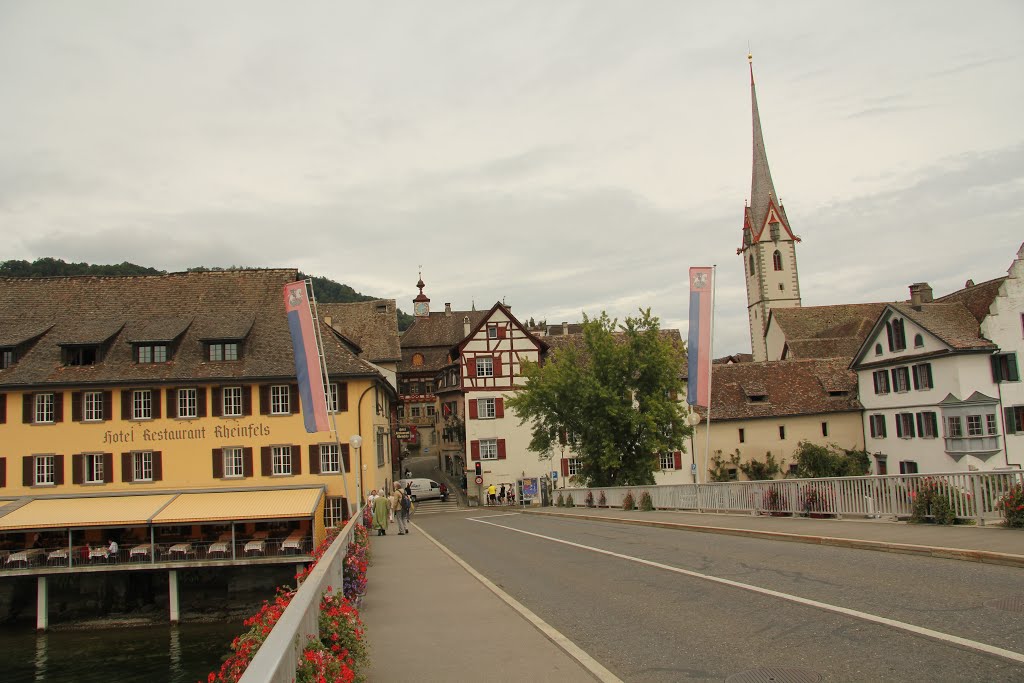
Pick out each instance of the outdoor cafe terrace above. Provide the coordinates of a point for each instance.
(159, 530)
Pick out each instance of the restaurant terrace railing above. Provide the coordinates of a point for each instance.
(278, 656)
(971, 495)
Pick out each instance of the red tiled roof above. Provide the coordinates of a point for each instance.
(976, 298)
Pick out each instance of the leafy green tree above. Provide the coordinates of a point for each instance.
(611, 399)
(719, 466)
(757, 470)
(814, 461)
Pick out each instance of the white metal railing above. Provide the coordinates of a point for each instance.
(971, 495)
(278, 656)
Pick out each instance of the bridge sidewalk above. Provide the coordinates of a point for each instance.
(428, 619)
(990, 544)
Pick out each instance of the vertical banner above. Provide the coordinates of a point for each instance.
(698, 347)
(307, 360)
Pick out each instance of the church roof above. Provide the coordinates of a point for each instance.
(826, 331)
(762, 190)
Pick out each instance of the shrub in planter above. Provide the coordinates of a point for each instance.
(589, 500)
(815, 499)
(602, 501)
(646, 504)
(1012, 506)
(342, 632)
(931, 503)
(569, 502)
(560, 502)
(774, 501)
(628, 503)
(318, 664)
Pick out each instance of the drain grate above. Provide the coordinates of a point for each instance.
(775, 675)
(1014, 603)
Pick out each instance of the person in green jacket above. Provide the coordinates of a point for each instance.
(380, 515)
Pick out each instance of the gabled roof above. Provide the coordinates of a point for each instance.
(790, 387)
(825, 331)
(433, 337)
(950, 323)
(541, 345)
(372, 325)
(976, 298)
(231, 305)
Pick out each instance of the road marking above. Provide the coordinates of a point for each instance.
(865, 616)
(572, 649)
(505, 514)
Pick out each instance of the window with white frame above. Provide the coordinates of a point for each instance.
(900, 379)
(485, 408)
(232, 401)
(142, 404)
(334, 511)
(44, 470)
(990, 424)
(492, 331)
(224, 351)
(92, 406)
(6, 358)
(928, 425)
(881, 379)
(142, 465)
(93, 463)
(44, 408)
(281, 460)
(877, 424)
(954, 427)
(488, 449)
(414, 411)
(330, 463)
(974, 425)
(574, 466)
(233, 462)
(380, 445)
(152, 353)
(187, 403)
(279, 399)
(484, 366)
(431, 410)
(667, 461)
(332, 397)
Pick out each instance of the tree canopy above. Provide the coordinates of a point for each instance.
(610, 398)
(813, 461)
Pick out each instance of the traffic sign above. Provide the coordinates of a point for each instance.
(554, 475)
(693, 467)
(479, 480)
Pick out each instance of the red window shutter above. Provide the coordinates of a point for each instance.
(28, 406)
(264, 399)
(76, 407)
(247, 462)
(474, 450)
(77, 467)
(565, 467)
(156, 403)
(126, 404)
(314, 459)
(497, 366)
(499, 407)
(471, 367)
(158, 465)
(108, 468)
(172, 403)
(200, 401)
(472, 409)
(216, 401)
(28, 470)
(58, 469)
(502, 331)
(342, 397)
(246, 400)
(126, 467)
(296, 459)
(266, 462)
(501, 449)
(108, 405)
(345, 460)
(679, 459)
(58, 406)
(218, 463)
(293, 403)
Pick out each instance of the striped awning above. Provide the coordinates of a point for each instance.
(240, 505)
(59, 513)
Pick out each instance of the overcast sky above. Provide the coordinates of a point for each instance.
(562, 156)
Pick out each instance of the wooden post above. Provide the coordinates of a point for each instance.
(42, 604)
(172, 585)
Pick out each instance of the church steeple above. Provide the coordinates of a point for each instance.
(768, 245)
(421, 304)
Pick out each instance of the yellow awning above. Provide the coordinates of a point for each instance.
(240, 505)
(54, 513)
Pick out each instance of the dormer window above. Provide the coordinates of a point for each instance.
(81, 355)
(218, 351)
(838, 394)
(151, 353)
(7, 358)
(757, 398)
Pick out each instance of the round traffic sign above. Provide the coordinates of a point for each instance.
(479, 479)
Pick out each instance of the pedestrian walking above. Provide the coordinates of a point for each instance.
(380, 515)
(511, 495)
(501, 495)
(396, 508)
(491, 494)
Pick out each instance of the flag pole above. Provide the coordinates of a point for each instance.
(711, 362)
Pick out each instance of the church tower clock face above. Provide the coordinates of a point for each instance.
(421, 308)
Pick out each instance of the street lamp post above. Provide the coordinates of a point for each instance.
(356, 442)
(693, 419)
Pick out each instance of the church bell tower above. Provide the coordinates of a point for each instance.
(769, 245)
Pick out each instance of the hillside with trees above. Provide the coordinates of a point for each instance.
(327, 290)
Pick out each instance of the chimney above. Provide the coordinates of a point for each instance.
(448, 309)
(920, 293)
(465, 326)
(565, 328)
(327, 320)
(969, 283)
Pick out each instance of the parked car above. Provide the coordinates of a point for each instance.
(422, 489)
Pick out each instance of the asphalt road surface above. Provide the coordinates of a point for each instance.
(654, 612)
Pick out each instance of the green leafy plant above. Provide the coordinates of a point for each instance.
(602, 501)
(931, 502)
(816, 498)
(628, 503)
(569, 502)
(589, 500)
(645, 502)
(719, 470)
(1012, 506)
(757, 470)
(814, 461)
(560, 502)
(774, 501)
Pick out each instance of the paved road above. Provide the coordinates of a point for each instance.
(650, 623)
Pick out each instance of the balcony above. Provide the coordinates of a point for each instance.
(982, 446)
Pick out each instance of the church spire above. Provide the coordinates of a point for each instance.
(762, 191)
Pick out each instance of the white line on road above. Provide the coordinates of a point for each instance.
(506, 514)
(572, 649)
(902, 625)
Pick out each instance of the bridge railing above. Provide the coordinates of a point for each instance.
(278, 656)
(971, 495)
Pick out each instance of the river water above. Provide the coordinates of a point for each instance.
(184, 653)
